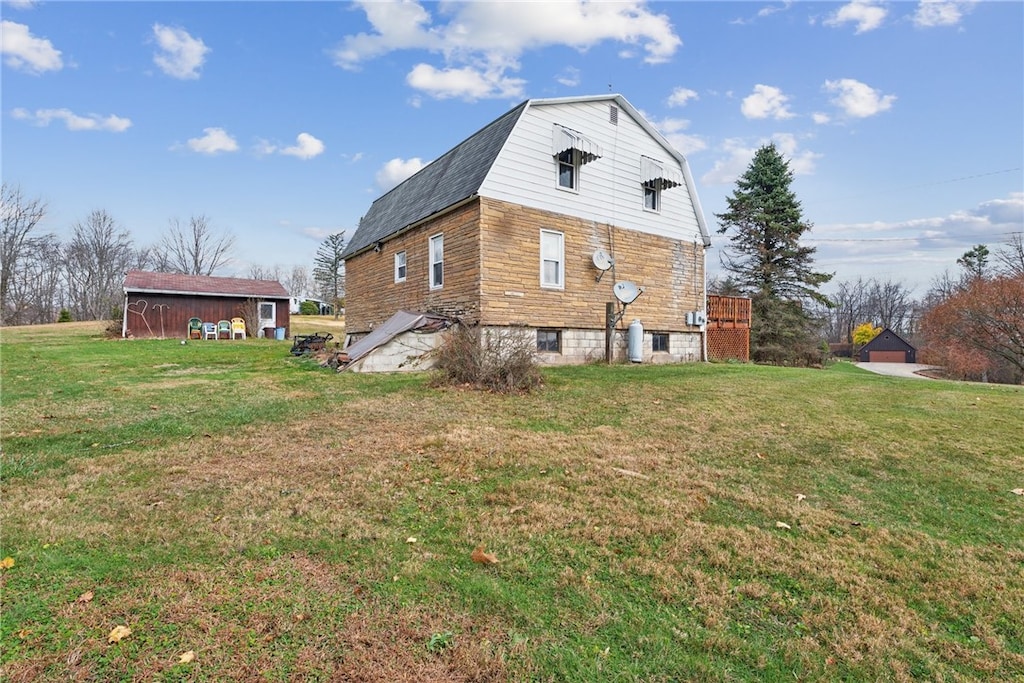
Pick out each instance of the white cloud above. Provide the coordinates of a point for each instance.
(672, 129)
(181, 55)
(466, 83)
(820, 117)
(397, 170)
(318, 234)
(20, 4)
(738, 155)
(1007, 212)
(25, 52)
(732, 165)
(932, 13)
(306, 147)
(570, 77)
(680, 97)
(73, 121)
(215, 141)
(867, 15)
(487, 38)
(766, 102)
(857, 99)
(801, 161)
(926, 244)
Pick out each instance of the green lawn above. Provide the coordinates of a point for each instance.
(652, 523)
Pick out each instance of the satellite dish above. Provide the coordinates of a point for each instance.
(626, 292)
(603, 260)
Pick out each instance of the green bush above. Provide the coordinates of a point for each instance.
(64, 316)
(502, 361)
(308, 307)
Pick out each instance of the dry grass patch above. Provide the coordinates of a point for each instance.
(635, 512)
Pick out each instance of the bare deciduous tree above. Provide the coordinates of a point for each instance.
(194, 249)
(297, 281)
(95, 262)
(258, 272)
(20, 217)
(1010, 256)
(891, 305)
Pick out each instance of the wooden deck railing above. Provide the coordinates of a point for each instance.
(728, 311)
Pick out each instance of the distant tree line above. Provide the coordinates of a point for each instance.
(970, 322)
(44, 279)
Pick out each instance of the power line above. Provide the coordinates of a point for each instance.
(915, 187)
(920, 238)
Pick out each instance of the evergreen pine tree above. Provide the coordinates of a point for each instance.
(766, 260)
(329, 270)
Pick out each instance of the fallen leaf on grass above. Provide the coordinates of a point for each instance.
(480, 557)
(7, 562)
(187, 657)
(85, 597)
(119, 633)
(24, 633)
(783, 525)
(630, 473)
(1019, 492)
(800, 497)
(411, 539)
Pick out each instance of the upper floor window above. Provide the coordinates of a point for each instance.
(652, 195)
(568, 170)
(655, 178)
(571, 151)
(437, 261)
(552, 259)
(400, 267)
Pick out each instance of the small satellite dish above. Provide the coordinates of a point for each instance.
(603, 260)
(626, 292)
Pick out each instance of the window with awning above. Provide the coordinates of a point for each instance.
(566, 140)
(655, 174)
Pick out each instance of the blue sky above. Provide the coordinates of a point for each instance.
(281, 122)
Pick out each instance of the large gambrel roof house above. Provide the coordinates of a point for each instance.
(531, 221)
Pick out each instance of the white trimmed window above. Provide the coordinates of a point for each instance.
(568, 170)
(652, 195)
(400, 267)
(437, 261)
(552, 259)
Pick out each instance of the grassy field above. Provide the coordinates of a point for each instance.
(250, 516)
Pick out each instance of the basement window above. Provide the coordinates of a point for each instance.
(659, 342)
(549, 341)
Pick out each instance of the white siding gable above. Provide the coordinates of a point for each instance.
(609, 188)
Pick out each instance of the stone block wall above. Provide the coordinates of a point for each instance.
(372, 295)
(670, 272)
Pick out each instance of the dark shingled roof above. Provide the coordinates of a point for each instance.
(176, 283)
(455, 176)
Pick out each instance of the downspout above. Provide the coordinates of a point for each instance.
(704, 306)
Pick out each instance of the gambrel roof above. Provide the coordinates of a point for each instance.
(444, 182)
(140, 281)
(457, 176)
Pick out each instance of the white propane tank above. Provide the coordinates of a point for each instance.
(635, 346)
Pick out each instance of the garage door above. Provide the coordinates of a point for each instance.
(887, 356)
